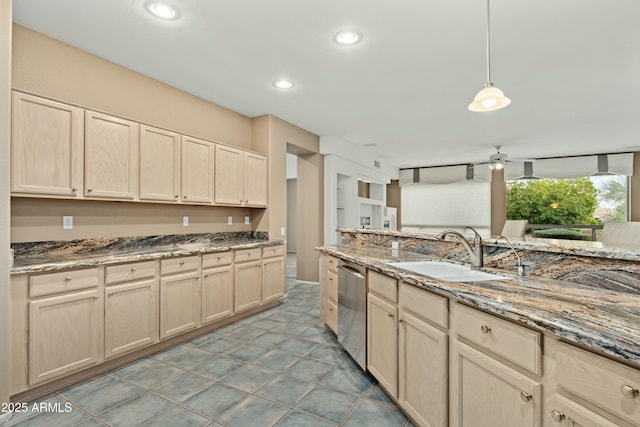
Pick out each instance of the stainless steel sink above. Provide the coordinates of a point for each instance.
(446, 271)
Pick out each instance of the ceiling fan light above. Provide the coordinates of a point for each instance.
(489, 99)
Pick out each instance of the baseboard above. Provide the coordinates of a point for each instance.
(307, 282)
(5, 417)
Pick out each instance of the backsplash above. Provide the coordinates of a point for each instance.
(613, 269)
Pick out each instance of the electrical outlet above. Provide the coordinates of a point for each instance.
(67, 222)
(394, 245)
(282, 231)
(185, 221)
(246, 219)
(229, 220)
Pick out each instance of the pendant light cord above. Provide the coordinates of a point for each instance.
(488, 43)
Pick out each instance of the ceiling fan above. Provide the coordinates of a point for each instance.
(499, 160)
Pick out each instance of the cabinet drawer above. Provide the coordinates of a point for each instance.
(515, 343)
(178, 265)
(272, 251)
(63, 281)
(424, 304)
(332, 264)
(384, 286)
(217, 259)
(129, 272)
(332, 285)
(245, 255)
(332, 316)
(602, 382)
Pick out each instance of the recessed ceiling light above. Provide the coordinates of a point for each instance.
(162, 10)
(283, 84)
(347, 37)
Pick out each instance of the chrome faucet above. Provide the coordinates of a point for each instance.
(475, 252)
(520, 266)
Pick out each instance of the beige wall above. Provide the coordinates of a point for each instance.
(49, 68)
(634, 188)
(5, 96)
(498, 202)
(292, 215)
(310, 215)
(35, 220)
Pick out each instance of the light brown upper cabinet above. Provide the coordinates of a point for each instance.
(197, 170)
(229, 175)
(46, 152)
(255, 180)
(111, 157)
(241, 177)
(159, 164)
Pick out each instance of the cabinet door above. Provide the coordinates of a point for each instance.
(255, 180)
(131, 316)
(272, 279)
(248, 282)
(382, 342)
(489, 393)
(179, 303)
(111, 156)
(229, 175)
(65, 334)
(423, 371)
(46, 151)
(197, 170)
(217, 294)
(159, 164)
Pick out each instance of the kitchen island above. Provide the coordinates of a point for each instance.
(562, 350)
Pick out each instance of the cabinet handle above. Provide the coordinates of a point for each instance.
(133, 269)
(628, 391)
(526, 397)
(400, 320)
(89, 190)
(330, 308)
(184, 197)
(557, 415)
(67, 279)
(485, 329)
(74, 189)
(181, 263)
(176, 196)
(95, 297)
(390, 314)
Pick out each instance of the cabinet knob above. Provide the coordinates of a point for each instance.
(628, 391)
(67, 279)
(557, 415)
(485, 329)
(133, 269)
(181, 263)
(390, 314)
(400, 320)
(330, 308)
(74, 189)
(176, 196)
(526, 397)
(89, 190)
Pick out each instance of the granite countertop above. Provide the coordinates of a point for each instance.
(574, 247)
(599, 319)
(52, 256)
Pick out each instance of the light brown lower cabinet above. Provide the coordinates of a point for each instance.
(130, 316)
(382, 342)
(273, 282)
(65, 334)
(179, 303)
(489, 393)
(423, 371)
(567, 413)
(247, 279)
(217, 293)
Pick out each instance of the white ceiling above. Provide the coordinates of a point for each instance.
(571, 67)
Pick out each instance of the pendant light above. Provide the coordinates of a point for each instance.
(490, 98)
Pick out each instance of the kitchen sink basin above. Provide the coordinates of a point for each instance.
(446, 271)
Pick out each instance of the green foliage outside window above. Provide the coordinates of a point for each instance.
(553, 201)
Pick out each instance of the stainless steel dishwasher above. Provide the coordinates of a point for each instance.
(352, 311)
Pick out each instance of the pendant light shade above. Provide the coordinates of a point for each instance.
(490, 98)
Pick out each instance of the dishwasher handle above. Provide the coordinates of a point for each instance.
(351, 270)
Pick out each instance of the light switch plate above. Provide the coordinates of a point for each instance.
(229, 220)
(67, 222)
(246, 219)
(282, 231)
(394, 245)
(185, 221)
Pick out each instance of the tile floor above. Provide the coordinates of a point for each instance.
(280, 367)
